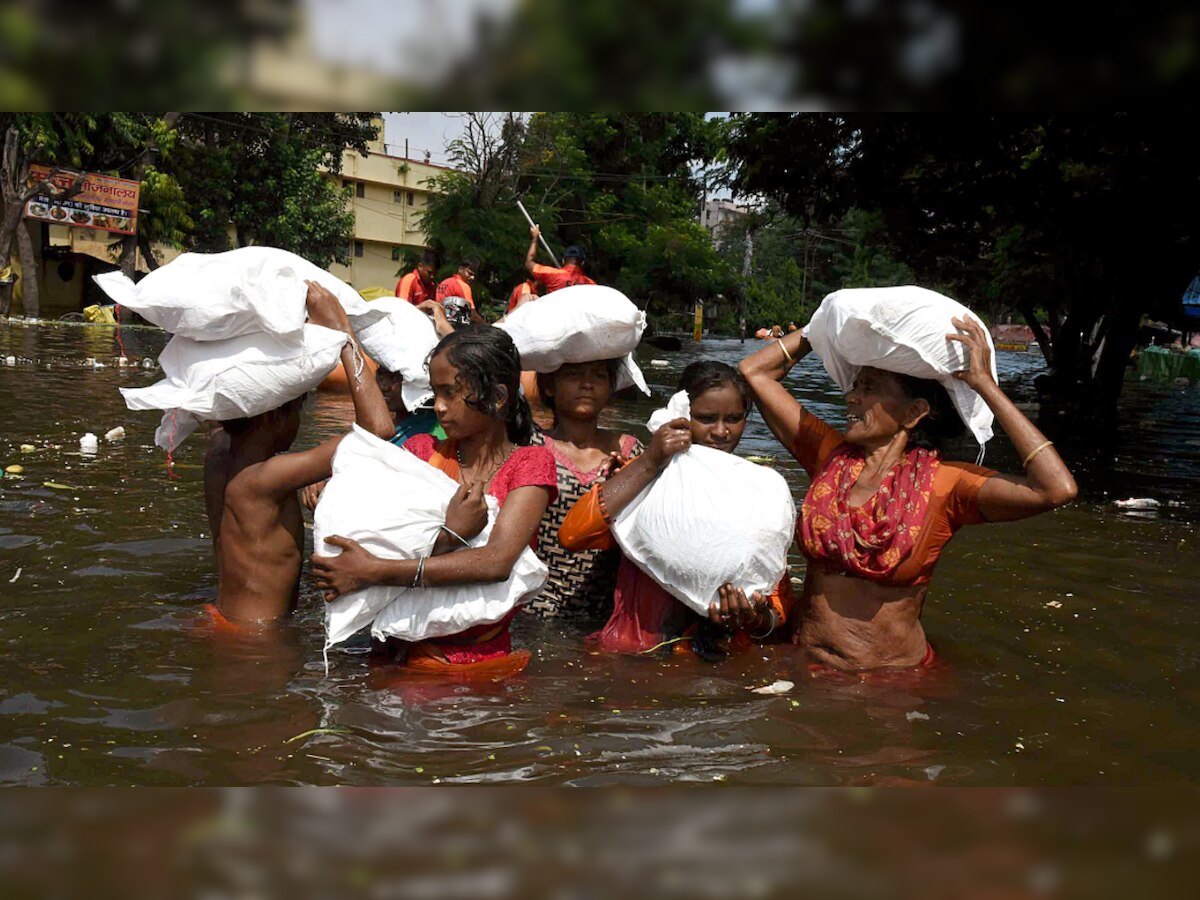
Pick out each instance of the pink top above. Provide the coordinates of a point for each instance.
(527, 466)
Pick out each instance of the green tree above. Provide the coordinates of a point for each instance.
(621, 186)
(257, 173)
(1088, 218)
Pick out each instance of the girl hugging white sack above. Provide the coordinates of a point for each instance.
(240, 377)
(393, 504)
(899, 329)
(216, 296)
(583, 323)
(707, 519)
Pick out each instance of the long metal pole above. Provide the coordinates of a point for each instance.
(541, 237)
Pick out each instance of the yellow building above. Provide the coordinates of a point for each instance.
(387, 195)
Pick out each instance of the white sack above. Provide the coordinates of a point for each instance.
(401, 342)
(709, 518)
(898, 329)
(393, 503)
(216, 296)
(583, 323)
(242, 376)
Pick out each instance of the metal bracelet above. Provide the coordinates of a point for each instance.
(454, 534)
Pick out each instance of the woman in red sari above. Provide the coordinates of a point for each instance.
(881, 508)
(475, 374)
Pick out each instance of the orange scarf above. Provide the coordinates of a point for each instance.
(871, 540)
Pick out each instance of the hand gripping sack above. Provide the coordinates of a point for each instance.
(217, 296)
(899, 329)
(583, 323)
(709, 518)
(401, 342)
(242, 376)
(393, 504)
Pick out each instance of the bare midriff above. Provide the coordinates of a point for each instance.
(849, 623)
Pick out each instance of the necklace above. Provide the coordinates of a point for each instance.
(462, 468)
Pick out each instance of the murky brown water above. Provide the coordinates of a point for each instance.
(1072, 641)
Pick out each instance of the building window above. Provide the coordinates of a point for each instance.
(411, 198)
(397, 196)
(358, 248)
(395, 254)
(360, 189)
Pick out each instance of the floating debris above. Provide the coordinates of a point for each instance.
(14, 469)
(776, 687)
(58, 486)
(89, 444)
(28, 448)
(1139, 503)
(115, 434)
(762, 460)
(660, 364)
(912, 715)
(315, 731)
(13, 580)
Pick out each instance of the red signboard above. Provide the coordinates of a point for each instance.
(104, 203)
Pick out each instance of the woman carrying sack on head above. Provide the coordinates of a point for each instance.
(580, 584)
(644, 615)
(474, 373)
(881, 508)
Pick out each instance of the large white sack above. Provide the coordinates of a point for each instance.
(401, 342)
(898, 329)
(577, 324)
(393, 503)
(242, 376)
(707, 519)
(217, 296)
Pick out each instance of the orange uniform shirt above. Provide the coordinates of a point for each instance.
(525, 287)
(568, 276)
(455, 286)
(413, 289)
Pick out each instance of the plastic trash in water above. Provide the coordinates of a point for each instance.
(11, 360)
(28, 448)
(14, 469)
(776, 687)
(659, 363)
(115, 434)
(147, 363)
(1139, 503)
(89, 444)
(122, 360)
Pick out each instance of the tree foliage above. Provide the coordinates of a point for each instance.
(1083, 219)
(621, 186)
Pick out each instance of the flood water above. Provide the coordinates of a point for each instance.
(1071, 641)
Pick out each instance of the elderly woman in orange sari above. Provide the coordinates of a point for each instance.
(881, 506)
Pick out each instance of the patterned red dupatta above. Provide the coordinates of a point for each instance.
(871, 540)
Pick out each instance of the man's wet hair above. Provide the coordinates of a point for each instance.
(430, 258)
(242, 424)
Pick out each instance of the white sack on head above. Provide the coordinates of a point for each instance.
(216, 296)
(899, 329)
(707, 519)
(582, 323)
(401, 342)
(243, 376)
(393, 504)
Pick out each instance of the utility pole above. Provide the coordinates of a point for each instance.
(746, 259)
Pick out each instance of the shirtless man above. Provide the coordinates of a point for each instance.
(251, 484)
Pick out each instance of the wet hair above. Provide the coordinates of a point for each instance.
(469, 262)
(546, 379)
(430, 258)
(705, 374)
(486, 359)
(942, 424)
